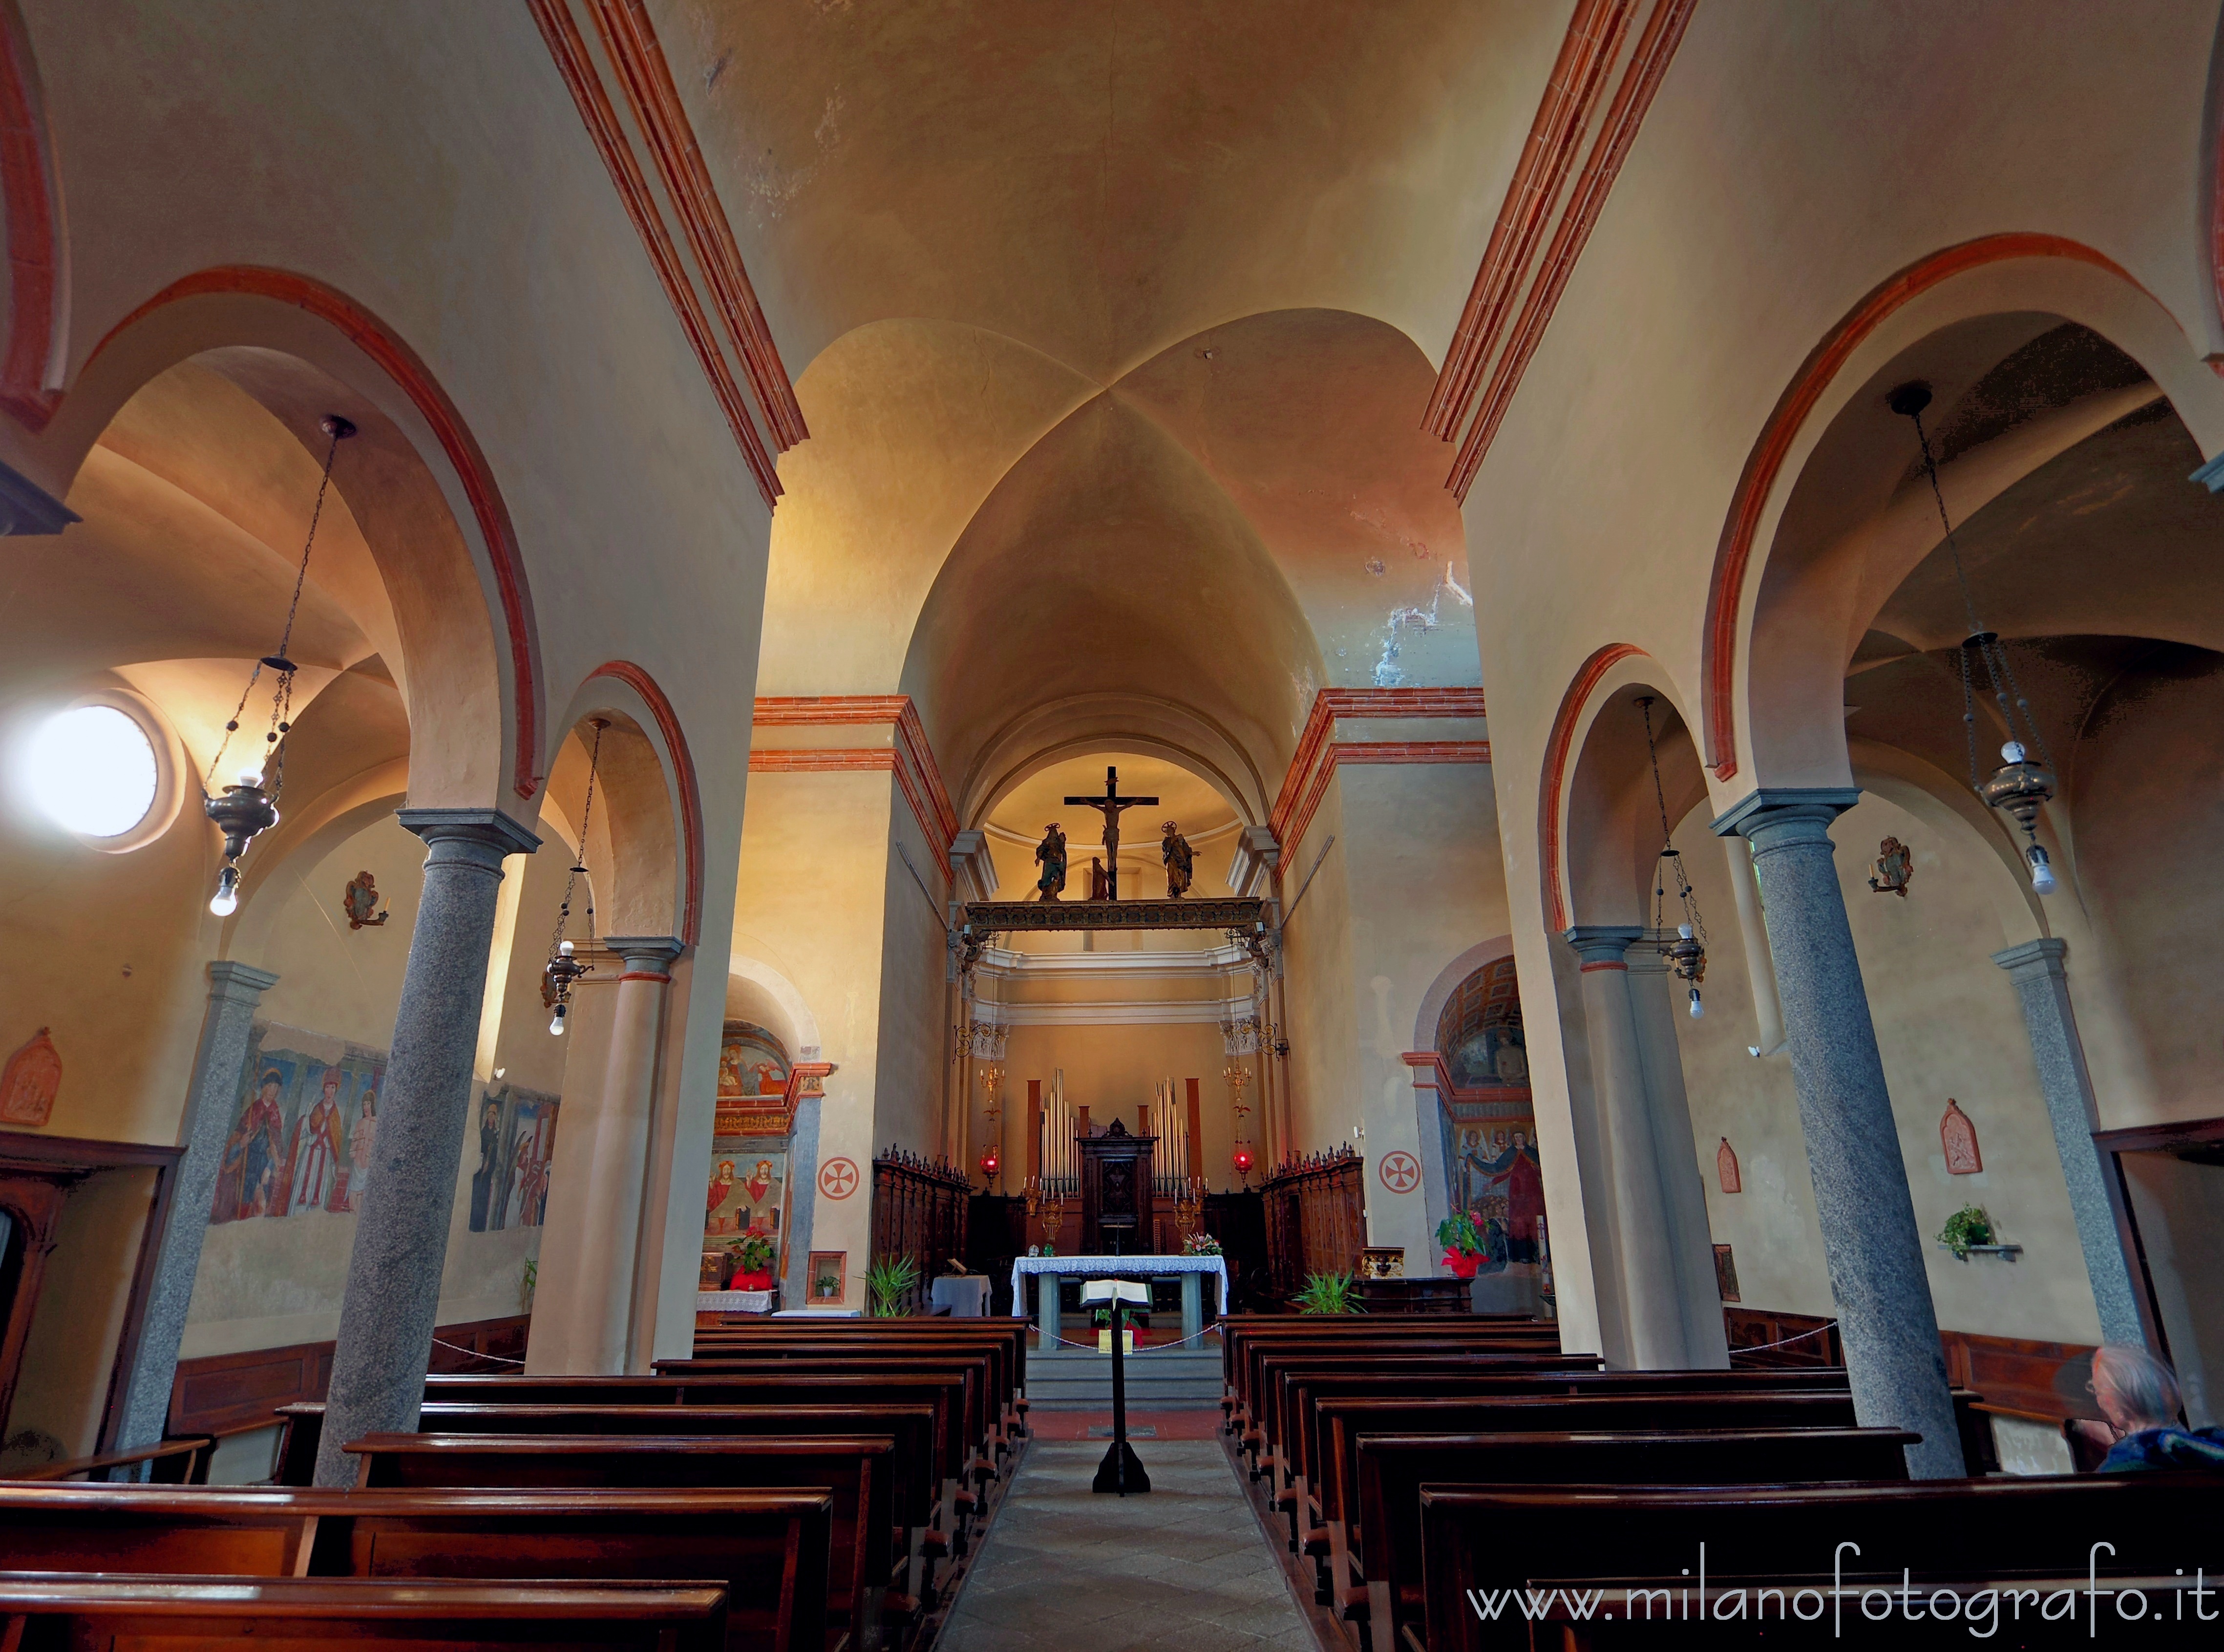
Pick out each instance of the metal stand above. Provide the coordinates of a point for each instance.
(1121, 1471)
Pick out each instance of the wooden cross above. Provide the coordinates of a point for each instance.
(1109, 806)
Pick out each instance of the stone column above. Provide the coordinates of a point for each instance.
(2095, 1196)
(802, 1197)
(211, 1098)
(1651, 1304)
(393, 1296)
(1869, 1237)
(1655, 998)
(613, 1273)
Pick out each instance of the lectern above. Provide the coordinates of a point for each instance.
(1117, 1217)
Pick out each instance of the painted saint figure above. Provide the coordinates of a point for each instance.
(316, 1147)
(1051, 852)
(251, 1156)
(721, 1190)
(1516, 1175)
(483, 1179)
(1180, 861)
(360, 1141)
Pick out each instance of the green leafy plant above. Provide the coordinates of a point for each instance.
(890, 1281)
(1200, 1243)
(1965, 1228)
(754, 1254)
(530, 1283)
(1458, 1232)
(1327, 1293)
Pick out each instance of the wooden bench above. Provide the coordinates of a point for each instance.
(767, 1549)
(1242, 1401)
(59, 1610)
(854, 1469)
(921, 1536)
(1238, 1330)
(946, 1392)
(1006, 1337)
(2036, 1533)
(1385, 1586)
(980, 1429)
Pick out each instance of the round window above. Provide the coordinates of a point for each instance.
(94, 770)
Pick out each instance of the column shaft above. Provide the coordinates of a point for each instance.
(613, 1274)
(1644, 1248)
(1870, 1242)
(234, 990)
(2095, 1197)
(1655, 998)
(393, 1295)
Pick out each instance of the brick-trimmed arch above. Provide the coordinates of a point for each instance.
(26, 206)
(1557, 750)
(403, 365)
(1733, 554)
(683, 774)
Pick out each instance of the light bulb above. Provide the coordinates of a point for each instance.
(2041, 871)
(1684, 930)
(565, 947)
(251, 776)
(1698, 1009)
(225, 901)
(2012, 752)
(556, 1026)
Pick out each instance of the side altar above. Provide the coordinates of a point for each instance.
(1191, 1270)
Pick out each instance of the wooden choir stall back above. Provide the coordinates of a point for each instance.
(1117, 1216)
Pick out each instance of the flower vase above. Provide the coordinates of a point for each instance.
(1462, 1263)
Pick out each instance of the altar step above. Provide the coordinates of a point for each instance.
(1183, 1380)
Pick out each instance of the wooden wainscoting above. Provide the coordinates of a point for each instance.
(1763, 1340)
(2018, 1377)
(229, 1394)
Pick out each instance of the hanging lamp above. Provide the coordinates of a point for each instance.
(564, 968)
(1687, 953)
(249, 808)
(2019, 788)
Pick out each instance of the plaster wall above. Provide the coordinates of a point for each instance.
(918, 1004)
(1326, 1087)
(1947, 1024)
(1426, 883)
(1113, 1071)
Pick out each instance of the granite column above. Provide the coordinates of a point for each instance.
(1651, 1306)
(2096, 1199)
(211, 1099)
(393, 1295)
(1870, 1243)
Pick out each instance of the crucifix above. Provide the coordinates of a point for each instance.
(1109, 806)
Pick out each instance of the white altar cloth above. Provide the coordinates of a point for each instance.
(1108, 1266)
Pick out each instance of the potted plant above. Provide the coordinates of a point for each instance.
(1327, 1293)
(1463, 1244)
(753, 1263)
(1965, 1230)
(889, 1281)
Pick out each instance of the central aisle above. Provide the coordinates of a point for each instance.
(1066, 1569)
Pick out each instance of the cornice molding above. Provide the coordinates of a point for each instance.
(909, 756)
(1488, 336)
(1140, 1012)
(1319, 754)
(629, 43)
(1004, 962)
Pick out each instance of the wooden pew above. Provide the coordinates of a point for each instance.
(1302, 1389)
(2037, 1534)
(1237, 1331)
(1385, 1588)
(767, 1549)
(1006, 1337)
(920, 1539)
(945, 1391)
(56, 1610)
(1241, 1401)
(980, 1431)
(854, 1469)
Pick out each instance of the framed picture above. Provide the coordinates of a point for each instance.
(829, 1276)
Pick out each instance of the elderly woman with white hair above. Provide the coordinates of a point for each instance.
(2138, 1395)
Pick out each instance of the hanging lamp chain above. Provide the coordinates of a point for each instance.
(1669, 853)
(336, 430)
(2007, 692)
(579, 862)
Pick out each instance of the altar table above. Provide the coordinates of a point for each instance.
(1190, 1270)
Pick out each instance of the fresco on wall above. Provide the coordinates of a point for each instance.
(1490, 1127)
(302, 1135)
(748, 1190)
(516, 1133)
(752, 1067)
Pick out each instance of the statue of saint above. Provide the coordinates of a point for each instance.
(1180, 860)
(1099, 886)
(1051, 852)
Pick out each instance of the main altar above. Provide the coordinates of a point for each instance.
(1191, 1270)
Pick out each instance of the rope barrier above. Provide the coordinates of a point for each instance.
(501, 1359)
(1763, 1347)
(1136, 1353)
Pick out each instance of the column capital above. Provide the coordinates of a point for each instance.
(242, 983)
(1774, 814)
(1646, 959)
(1602, 946)
(645, 954)
(2032, 959)
(468, 834)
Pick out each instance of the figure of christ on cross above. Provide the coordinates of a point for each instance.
(1109, 806)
